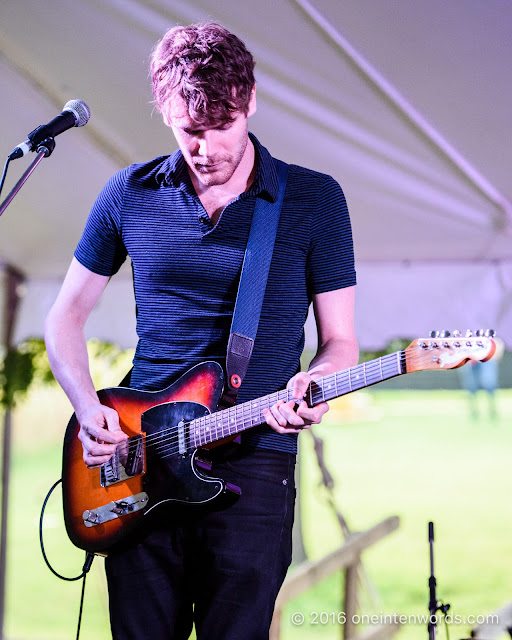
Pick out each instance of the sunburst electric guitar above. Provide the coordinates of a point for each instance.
(161, 460)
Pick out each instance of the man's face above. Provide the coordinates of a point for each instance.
(212, 153)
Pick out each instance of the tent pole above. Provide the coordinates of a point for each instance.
(13, 280)
(407, 109)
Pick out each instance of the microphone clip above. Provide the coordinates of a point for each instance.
(46, 146)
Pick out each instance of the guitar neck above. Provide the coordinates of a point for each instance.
(229, 422)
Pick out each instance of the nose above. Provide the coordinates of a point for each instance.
(204, 144)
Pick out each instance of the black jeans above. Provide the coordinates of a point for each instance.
(221, 570)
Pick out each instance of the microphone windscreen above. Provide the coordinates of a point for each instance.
(80, 110)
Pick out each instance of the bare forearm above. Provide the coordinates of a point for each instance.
(294, 416)
(334, 313)
(336, 354)
(67, 353)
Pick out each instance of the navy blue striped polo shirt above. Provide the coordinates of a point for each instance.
(186, 271)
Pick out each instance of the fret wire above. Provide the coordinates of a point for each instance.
(229, 420)
(225, 418)
(197, 432)
(254, 412)
(225, 424)
(204, 430)
(236, 411)
(325, 384)
(373, 371)
(209, 429)
(259, 416)
(239, 417)
(250, 408)
(333, 386)
(251, 415)
(247, 407)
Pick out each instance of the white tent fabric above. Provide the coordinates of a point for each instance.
(407, 105)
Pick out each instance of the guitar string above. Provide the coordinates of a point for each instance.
(168, 437)
(266, 401)
(367, 369)
(249, 421)
(317, 397)
(163, 440)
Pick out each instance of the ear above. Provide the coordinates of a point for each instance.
(251, 108)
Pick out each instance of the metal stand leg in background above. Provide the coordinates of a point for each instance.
(433, 605)
(13, 281)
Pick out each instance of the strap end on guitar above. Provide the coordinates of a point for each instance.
(237, 362)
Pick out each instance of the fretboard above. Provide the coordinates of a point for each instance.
(238, 418)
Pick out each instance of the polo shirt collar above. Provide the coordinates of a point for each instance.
(173, 171)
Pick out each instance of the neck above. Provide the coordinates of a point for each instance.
(238, 418)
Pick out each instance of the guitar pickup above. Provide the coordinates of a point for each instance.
(127, 461)
(117, 509)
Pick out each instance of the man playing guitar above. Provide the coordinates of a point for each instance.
(184, 220)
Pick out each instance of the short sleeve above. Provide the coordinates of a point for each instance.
(101, 248)
(331, 254)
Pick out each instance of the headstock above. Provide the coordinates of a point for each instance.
(443, 350)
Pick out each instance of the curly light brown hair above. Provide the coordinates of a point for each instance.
(209, 67)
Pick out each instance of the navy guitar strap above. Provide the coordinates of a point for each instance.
(253, 282)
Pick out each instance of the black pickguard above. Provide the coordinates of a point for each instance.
(172, 477)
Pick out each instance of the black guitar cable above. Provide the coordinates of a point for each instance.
(89, 557)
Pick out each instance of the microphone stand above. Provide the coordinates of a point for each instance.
(44, 150)
(433, 606)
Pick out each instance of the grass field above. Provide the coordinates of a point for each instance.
(410, 453)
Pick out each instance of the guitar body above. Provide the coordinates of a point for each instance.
(155, 474)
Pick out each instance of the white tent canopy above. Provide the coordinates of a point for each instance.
(407, 104)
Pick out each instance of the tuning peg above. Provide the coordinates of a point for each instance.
(434, 334)
(457, 333)
(479, 333)
(445, 333)
(490, 333)
(469, 333)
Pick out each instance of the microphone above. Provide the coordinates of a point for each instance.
(75, 114)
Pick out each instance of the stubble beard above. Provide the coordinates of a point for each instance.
(228, 166)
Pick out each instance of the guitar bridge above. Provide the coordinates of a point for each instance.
(127, 461)
(112, 510)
